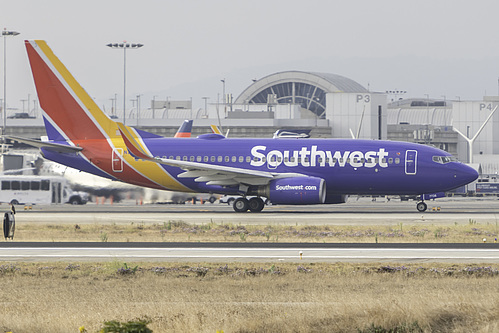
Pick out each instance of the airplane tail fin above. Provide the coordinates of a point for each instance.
(69, 113)
(185, 130)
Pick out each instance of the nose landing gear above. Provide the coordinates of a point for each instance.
(421, 206)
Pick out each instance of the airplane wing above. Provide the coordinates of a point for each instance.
(203, 172)
(57, 147)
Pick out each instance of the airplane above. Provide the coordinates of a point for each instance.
(184, 130)
(286, 171)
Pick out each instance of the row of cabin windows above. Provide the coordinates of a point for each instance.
(279, 159)
(26, 185)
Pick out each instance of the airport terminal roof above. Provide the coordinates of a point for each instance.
(437, 116)
(308, 89)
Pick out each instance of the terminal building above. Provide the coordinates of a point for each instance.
(329, 106)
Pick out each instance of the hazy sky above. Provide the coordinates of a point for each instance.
(440, 48)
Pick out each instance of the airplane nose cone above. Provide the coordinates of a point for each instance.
(465, 174)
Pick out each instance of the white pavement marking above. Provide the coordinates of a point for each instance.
(217, 254)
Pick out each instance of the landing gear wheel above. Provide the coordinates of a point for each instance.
(256, 205)
(421, 206)
(241, 205)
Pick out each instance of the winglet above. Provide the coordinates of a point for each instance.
(132, 145)
(215, 129)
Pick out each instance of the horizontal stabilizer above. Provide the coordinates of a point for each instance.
(57, 147)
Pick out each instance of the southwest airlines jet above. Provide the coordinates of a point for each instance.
(286, 171)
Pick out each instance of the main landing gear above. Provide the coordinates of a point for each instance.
(254, 205)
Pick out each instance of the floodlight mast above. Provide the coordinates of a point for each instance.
(472, 140)
(5, 33)
(124, 46)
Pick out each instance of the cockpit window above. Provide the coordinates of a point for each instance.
(444, 159)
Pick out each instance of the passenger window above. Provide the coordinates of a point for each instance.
(397, 160)
(5, 185)
(205, 159)
(191, 158)
(220, 159)
(45, 185)
(234, 159)
(16, 185)
(25, 185)
(227, 158)
(198, 158)
(241, 159)
(35, 186)
(248, 159)
(390, 160)
(213, 158)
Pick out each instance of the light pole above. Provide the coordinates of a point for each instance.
(5, 33)
(206, 105)
(223, 94)
(153, 105)
(124, 46)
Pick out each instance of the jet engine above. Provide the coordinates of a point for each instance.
(293, 191)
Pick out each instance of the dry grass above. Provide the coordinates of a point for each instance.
(56, 297)
(179, 231)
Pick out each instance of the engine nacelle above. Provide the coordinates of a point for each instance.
(295, 191)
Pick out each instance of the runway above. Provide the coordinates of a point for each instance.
(355, 212)
(252, 252)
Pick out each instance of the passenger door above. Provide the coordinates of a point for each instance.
(117, 160)
(411, 162)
